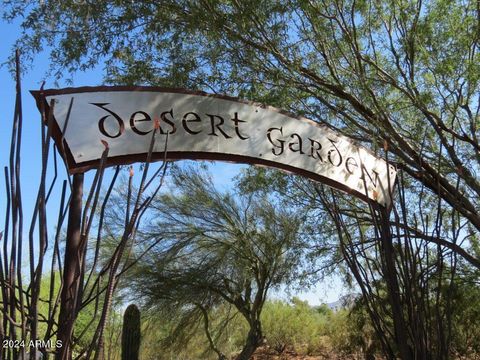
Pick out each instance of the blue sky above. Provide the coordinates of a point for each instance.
(327, 291)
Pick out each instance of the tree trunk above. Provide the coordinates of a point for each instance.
(254, 340)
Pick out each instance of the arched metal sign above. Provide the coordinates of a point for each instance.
(210, 127)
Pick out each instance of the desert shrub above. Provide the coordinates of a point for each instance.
(350, 331)
(293, 326)
(465, 318)
(296, 326)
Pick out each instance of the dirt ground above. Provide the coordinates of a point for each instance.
(267, 354)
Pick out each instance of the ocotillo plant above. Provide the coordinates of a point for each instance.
(131, 333)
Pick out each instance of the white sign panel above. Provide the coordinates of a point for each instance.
(202, 126)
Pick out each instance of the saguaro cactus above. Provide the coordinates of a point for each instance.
(131, 333)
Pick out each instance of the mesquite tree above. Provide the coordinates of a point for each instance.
(218, 249)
